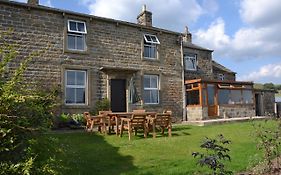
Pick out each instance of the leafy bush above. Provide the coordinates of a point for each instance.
(25, 113)
(214, 155)
(269, 141)
(78, 118)
(71, 120)
(101, 105)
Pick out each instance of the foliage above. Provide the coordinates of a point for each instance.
(78, 118)
(269, 86)
(101, 105)
(214, 155)
(25, 112)
(71, 120)
(269, 141)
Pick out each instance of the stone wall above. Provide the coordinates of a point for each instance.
(110, 44)
(204, 69)
(196, 113)
(233, 111)
(227, 76)
(269, 102)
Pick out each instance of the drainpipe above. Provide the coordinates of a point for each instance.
(184, 117)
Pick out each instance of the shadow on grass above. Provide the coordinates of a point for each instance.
(180, 128)
(88, 153)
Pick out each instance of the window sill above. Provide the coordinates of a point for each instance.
(150, 59)
(152, 104)
(83, 52)
(190, 70)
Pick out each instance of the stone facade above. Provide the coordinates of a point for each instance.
(197, 113)
(114, 50)
(237, 112)
(228, 76)
(264, 102)
(204, 67)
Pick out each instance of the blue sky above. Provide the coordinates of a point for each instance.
(244, 34)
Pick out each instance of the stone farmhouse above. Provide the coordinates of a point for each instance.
(134, 65)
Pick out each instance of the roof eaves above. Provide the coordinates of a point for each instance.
(41, 7)
(194, 46)
(219, 66)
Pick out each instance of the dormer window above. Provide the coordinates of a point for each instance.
(190, 61)
(76, 34)
(150, 46)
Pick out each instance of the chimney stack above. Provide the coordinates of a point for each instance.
(33, 2)
(187, 35)
(145, 17)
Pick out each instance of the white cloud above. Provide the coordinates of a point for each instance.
(261, 38)
(169, 14)
(214, 37)
(47, 3)
(260, 12)
(20, 0)
(267, 73)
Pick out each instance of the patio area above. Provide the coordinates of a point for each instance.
(223, 120)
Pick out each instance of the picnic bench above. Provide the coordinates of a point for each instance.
(130, 121)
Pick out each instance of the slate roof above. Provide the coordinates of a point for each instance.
(221, 67)
(194, 46)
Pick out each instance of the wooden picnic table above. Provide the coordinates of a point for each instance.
(118, 115)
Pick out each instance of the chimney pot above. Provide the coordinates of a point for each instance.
(187, 37)
(144, 8)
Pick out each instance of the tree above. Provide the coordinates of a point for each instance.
(23, 114)
(269, 86)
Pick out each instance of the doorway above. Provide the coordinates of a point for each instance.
(212, 102)
(258, 104)
(118, 95)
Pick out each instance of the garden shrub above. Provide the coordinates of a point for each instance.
(214, 154)
(24, 114)
(269, 142)
(101, 105)
(74, 121)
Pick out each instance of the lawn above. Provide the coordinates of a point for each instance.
(93, 153)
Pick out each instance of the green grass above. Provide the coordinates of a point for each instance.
(92, 153)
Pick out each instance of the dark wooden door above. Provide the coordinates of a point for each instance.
(118, 95)
(258, 105)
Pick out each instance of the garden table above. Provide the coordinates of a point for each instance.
(118, 115)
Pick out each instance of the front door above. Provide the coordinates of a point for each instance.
(212, 103)
(118, 95)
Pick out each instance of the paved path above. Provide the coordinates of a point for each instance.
(218, 121)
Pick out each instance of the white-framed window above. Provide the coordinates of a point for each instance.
(75, 87)
(150, 46)
(221, 77)
(190, 61)
(76, 35)
(76, 26)
(151, 89)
